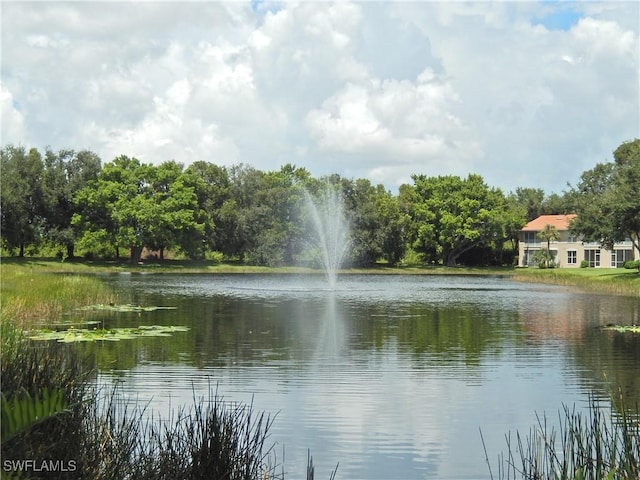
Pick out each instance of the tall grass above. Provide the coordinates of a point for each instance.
(606, 280)
(210, 439)
(591, 446)
(30, 295)
(27, 372)
(104, 437)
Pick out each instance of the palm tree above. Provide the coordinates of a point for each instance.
(549, 233)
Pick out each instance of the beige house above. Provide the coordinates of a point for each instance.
(569, 251)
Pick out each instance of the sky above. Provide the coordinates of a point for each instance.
(526, 94)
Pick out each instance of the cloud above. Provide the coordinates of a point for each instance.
(526, 94)
(12, 118)
(403, 123)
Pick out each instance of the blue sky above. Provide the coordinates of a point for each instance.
(522, 93)
(561, 18)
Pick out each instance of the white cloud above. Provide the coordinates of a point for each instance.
(376, 90)
(401, 121)
(12, 119)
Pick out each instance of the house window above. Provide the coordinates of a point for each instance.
(593, 257)
(528, 258)
(572, 257)
(572, 239)
(531, 237)
(619, 257)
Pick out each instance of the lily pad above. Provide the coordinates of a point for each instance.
(67, 325)
(623, 328)
(112, 335)
(125, 308)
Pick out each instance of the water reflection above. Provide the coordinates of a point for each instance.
(332, 340)
(390, 376)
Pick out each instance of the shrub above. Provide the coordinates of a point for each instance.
(544, 258)
(214, 256)
(584, 264)
(631, 264)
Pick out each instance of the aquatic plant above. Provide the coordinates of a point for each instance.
(124, 308)
(211, 439)
(52, 410)
(31, 295)
(113, 334)
(24, 411)
(592, 446)
(44, 387)
(623, 328)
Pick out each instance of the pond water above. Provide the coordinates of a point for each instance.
(392, 377)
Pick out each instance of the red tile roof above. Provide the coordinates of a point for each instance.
(561, 222)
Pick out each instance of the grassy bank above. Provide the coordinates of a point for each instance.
(32, 293)
(32, 289)
(54, 415)
(605, 280)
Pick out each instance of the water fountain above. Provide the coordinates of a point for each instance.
(332, 231)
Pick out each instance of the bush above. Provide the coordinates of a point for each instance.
(631, 264)
(584, 264)
(214, 256)
(544, 258)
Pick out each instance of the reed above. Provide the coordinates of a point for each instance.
(592, 446)
(105, 437)
(210, 439)
(32, 295)
(28, 373)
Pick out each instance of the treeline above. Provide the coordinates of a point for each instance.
(69, 202)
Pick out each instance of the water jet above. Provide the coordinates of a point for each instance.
(331, 239)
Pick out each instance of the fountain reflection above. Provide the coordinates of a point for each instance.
(332, 338)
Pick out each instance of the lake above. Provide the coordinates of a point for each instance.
(389, 376)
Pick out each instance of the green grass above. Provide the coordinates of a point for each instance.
(32, 293)
(607, 280)
(52, 265)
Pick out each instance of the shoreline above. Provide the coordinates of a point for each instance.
(604, 280)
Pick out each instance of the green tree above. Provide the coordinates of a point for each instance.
(133, 205)
(178, 220)
(275, 216)
(531, 199)
(558, 204)
(454, 215)
(65, 173)
(608, 199)
(392, 226)
(257, 214)
(116, 206)
(21, 197)
(240, 215)
(365, 223)
(213, 190)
